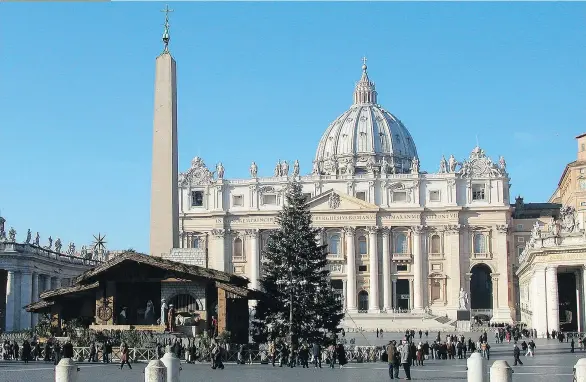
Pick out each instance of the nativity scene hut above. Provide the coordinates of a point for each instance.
(133, 291)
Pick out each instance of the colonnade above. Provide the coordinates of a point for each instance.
(545, 300)
(22, 288)
(389, 285)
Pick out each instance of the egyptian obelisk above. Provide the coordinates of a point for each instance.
(164, 233)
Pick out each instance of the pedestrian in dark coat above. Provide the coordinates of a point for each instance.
(516, 354)
(26, 351)
(316, 353)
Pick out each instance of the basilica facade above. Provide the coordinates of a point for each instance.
(399, 239)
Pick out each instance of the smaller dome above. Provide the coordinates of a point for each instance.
(365, 138)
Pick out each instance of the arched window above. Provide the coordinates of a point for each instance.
(362, 247)
(401, 243)
(238, 250)
(479, 243)
(195, 242)
(363, 300)
(334, 245)
(435, 244)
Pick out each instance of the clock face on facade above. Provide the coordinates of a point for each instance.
(104, 313)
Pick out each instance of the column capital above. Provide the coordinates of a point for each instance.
(385, 231)
(253, 233)
(452, 229)
(350, 230)
(502, 228)
(495, 276)
(372, 230)
(418, 229)
(219, 233)
(551, 268)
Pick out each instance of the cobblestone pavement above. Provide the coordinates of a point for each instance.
(553, 362)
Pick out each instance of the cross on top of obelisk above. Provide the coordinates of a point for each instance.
(166, 36)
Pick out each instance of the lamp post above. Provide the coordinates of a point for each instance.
(291, 306)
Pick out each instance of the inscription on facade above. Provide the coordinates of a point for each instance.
(325, 218)
(442, 216)
(253, 219)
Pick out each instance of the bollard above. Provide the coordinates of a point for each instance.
(500, 371)
(172, 363)
(155, 372)
(66, 371)
(580, 370)
(476, 368)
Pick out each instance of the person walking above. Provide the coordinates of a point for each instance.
(394, 360)
(124, 356)
(572, 345)
(530, 349)
(316, 353)
(405, 351)
(516, 354)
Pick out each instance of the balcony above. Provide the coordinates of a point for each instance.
(402, 257)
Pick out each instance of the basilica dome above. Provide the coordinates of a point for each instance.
(365, 138)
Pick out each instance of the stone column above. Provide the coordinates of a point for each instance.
(35, 297)
(538, 303)
(221, 261)
(583, 295)
(350, 269)
(10, 301)
(551, 280)
(26, 292)
(417, 270)
(386, 271)
(254, 259)
(578, 300)
(411, 294)
(373, 298)
(394, 292)
(344, 294)
(47, 279)
(495, 296)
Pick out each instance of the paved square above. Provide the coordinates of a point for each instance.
(553, 361)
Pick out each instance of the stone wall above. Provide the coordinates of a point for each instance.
(174, 288)
(191, 256)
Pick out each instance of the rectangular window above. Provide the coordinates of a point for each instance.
(436, 267)
(361, 195)
(237, 200)
(362, 268)
(582, 170)
(519, 251)
(399, 196)
(478, 192)
(582, 204)
(401, 268)
(519, 227)
(434, 196)
(196, 198)
(520, 239)
(269, 199)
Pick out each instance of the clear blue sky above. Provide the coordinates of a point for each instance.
(262, 81)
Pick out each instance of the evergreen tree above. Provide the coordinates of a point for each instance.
(295, 265)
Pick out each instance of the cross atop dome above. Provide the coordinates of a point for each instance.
(166, 36)
(365, 90)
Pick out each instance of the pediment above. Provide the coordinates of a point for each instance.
(338, 201)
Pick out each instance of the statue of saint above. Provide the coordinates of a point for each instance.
(502, 163)
(164, 309)
(28, 236)
(58, 245)
(38, 240)
(253, 170)
(384, 167)
(149, 313)
(50, 243)
(415, 166)
(220, 170)
(296, 168)
(452, 163)
(12, 235)
(171, 318)
(278, 168)
(463, 299)
(284, 168)
(315, 170)
(443, 165)
(350, 168)
(71, 249)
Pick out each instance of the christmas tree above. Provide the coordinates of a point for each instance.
(296, 280)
